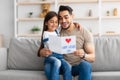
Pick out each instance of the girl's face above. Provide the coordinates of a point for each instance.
(52, 24)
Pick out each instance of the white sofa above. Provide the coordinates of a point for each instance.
(20, 60)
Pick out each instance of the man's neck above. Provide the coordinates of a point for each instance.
(72, 26)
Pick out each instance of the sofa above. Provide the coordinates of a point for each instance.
(20, 60)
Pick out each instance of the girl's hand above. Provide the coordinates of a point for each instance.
(45, 52)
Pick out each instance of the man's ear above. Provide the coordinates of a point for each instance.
(73, 15)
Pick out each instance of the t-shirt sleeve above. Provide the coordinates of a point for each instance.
(88, 37)
(45, 35)
(45, 39)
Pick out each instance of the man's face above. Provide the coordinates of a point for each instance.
(65, 19)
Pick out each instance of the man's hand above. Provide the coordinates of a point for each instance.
(78, 26)
(87, 54)
(79, 52)
(45, 52)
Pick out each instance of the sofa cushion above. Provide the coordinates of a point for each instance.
(3, 59)
(107, 50)
(22, 54)
(109, 75)
(22, 75)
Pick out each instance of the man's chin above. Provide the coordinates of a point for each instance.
(65, 28)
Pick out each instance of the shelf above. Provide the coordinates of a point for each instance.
(34, 3)
(110, 34)
(30, 19)
(77, 1)
(86, 18)
(110, 0)
(111, 17)
(41, 19)
(39, 35)
(97, 34)
(29, 35)
(97, 20)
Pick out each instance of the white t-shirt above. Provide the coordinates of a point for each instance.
(46, 35)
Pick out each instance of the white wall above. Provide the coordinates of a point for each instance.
(6, 20)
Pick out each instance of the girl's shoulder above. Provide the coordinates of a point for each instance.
(47, 33)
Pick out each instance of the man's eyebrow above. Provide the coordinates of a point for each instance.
(63, 16)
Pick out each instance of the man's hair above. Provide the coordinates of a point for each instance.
(63, 8)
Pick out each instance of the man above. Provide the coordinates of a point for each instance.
(85, 53)
(85, 48)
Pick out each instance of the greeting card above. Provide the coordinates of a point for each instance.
(62, 45)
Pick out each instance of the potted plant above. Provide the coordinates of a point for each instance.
(35, 29)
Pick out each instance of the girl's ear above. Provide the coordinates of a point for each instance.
(46, 24)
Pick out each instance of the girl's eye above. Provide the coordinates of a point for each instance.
(51, 21)
(56, 22)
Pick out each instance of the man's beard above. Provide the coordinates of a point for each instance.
(67, 27)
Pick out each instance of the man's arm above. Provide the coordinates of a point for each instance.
(88, 53)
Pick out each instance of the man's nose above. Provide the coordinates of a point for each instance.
(63, 20)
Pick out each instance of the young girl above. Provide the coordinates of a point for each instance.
(54, 63)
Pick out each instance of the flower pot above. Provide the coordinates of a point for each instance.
(36, 32)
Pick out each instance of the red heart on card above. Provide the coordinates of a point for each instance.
(68, 40)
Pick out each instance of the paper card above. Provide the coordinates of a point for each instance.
(62, 45)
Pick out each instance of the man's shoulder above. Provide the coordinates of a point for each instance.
(83, 30)
(79, 30)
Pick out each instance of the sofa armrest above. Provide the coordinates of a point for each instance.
(3, 59)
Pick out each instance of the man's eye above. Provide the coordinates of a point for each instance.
(60, 18)
(66, 17)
